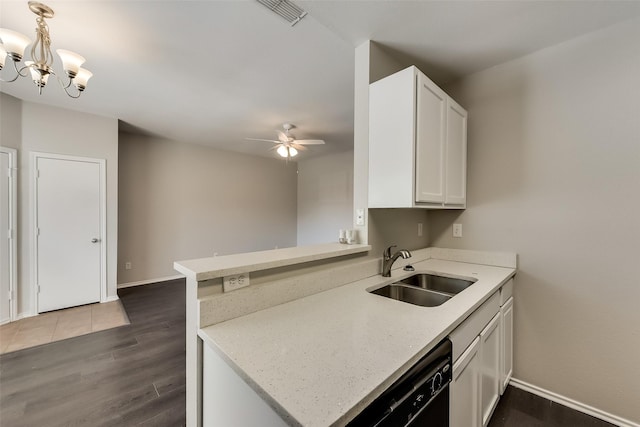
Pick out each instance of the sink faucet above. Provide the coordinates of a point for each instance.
(389, 259)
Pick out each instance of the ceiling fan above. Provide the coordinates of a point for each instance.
(287, 144)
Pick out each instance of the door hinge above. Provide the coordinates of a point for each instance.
(37, 173)
(37, 231)
(38, 289)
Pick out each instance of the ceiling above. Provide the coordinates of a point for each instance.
(215, 72)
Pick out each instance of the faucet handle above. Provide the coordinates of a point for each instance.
(387, 252)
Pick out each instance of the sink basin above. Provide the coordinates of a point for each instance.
(447, 285)
(412, 295)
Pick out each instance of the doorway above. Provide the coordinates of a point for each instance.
(69, 225)
(8, 235)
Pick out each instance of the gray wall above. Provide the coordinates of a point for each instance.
(554, 175)
(30, 127)
(182, 201)
(325, 197)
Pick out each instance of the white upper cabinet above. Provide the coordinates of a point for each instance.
(431, 139)
(456, 155)
(417, 144)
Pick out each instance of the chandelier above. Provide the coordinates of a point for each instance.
(13, 45)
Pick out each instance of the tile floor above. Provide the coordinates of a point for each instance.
(61, 324)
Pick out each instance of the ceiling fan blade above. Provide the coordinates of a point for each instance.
(309, 141)
(283, 136)
(298, 146)
(266, 140)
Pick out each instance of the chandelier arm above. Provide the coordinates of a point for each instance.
(18, 73)
(70, 94)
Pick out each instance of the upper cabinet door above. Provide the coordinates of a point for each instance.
(456, 154)
(431, 127)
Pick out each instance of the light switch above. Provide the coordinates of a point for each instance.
(457, 230)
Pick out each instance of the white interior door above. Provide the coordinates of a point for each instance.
(7, 234)
(68, 231)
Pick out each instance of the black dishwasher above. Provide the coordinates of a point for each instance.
(418, 398)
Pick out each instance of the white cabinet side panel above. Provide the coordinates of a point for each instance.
(228, 401)
(391, 137)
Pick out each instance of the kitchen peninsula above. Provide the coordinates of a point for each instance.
(306, 343)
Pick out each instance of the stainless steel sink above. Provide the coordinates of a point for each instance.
(412, 295)
(448, 285)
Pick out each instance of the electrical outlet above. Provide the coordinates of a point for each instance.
(359, 216)
(457, 230)
(231, 283)
(419, 229)
(127, 265)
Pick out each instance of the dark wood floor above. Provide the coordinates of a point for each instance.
(133, 375)
(518, 408)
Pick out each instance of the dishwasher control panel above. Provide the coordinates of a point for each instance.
(420, 397)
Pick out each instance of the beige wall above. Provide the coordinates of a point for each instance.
(182, 201)
(30, 127)
(10, 121)
(325, 197)
(554, 175)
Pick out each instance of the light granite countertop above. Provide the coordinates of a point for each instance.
(319, 360)
(212, 267)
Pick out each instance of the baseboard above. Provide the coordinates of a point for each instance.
(24, 315)
(111, 298)
(147, 282)
(573, 404)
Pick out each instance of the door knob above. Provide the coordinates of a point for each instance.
(95, 240)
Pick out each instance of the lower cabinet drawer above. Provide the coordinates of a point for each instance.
(468, 330)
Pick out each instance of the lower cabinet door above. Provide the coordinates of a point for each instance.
(465, 388)
(506, 344)
(490, 368)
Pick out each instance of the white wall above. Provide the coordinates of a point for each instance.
(30, 127)
(325, 197)
(182, 201)
(554, 175)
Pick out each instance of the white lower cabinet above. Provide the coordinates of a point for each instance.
(482, 360)
(506, 345)
(465, 388)
(490, 368)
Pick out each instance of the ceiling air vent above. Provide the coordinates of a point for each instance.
(286, 9)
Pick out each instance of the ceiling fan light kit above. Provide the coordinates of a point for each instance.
(287, 145)
(13, 45)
